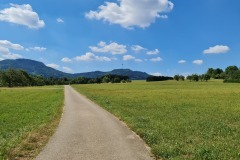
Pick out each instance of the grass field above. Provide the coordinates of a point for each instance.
(178, 120)
(28, 117)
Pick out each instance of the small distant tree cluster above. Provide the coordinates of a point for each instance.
(216, 73)
(179, 77)
(196, 77)
(104, 79)
(20, 78)
(158, 78)
(232, 74)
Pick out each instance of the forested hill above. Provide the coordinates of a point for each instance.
(39, 68)
(133, 75)
(32, 67)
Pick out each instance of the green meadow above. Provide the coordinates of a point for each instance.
(178, 120)
(28, 116)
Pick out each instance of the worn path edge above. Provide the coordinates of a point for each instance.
(88, 132)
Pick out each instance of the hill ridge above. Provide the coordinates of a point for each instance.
(39, 68)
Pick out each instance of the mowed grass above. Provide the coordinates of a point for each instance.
(28, 116)
(178, 120)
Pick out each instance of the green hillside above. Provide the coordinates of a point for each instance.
(39, 68)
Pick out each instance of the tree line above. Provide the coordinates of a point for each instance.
(20, 78)
(230, 75)
(158, 78)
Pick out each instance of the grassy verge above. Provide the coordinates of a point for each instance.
(178, 120)
(28, 117)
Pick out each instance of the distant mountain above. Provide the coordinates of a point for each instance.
(32, 67)
(39, 68)
(134, 75)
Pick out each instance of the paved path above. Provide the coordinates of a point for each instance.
(87, 132)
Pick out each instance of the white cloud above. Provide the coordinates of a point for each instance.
(137, 48)
(156, 74)
(198, 62)
(12, 56)
(1, 59)
(91, 57)
(114, 58)
(163, 16)
(131, 13)
(67, 69)
(128, 57)
(138, 60)
(59, 20)
(22, 15)
(4, 50)
(113, 48)
(5, 47)
(66, 59)
(38, 49)
(52, 65)
(158, 59)
(218, 49)
(10, 45)
(182, 61)
(154, 52)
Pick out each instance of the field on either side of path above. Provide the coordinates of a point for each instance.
(28, 116)
(178, 120)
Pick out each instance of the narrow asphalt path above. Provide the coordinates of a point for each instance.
(88, 132)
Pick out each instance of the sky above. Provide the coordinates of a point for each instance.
(160, 37)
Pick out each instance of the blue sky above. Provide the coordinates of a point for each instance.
(160, 37)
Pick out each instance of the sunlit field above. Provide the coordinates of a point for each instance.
(28, 117)
(178, 120)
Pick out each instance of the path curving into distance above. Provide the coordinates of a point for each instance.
(88, 132)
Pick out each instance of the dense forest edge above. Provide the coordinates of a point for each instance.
(20, 78)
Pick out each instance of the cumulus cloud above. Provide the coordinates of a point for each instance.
(198, 62)
(67, 69)
(52, 65)
(4, 50)
(66, 60)
(154, 52)
(22, 15)
(10, 45)
(218, 49)
(6, 46)
(137, 48)
(131, 13)
(128, 57)
(156, 74)
(182, 61)
(113, 48)
(91, 57)
(163, 16)
(138, 60)
(59, 20)
(38, 49)
(12, 56)
(158, 59)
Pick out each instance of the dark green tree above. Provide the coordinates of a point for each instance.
(176, 77)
